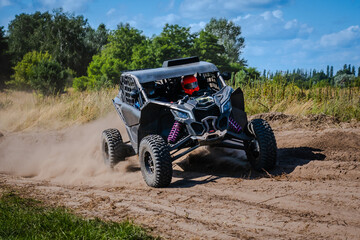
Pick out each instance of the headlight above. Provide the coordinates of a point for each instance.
(226, 106)
(180, 114)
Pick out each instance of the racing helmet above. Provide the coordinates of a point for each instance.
(190, 84)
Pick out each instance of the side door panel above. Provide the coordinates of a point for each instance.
(127, 107)
(131, 114)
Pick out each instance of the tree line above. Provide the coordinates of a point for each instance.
(48, 51)
(304, 79)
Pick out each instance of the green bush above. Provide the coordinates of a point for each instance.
(38, 71)
(106, 65)
(25, 69)
(90, 83)
(48, 77)
(83, 83)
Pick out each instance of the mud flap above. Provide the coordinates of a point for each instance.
(237, 99)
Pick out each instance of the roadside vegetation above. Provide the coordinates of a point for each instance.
(300, 93)
(57, 71)
(21, 110)
(23, 218)
(25, 110)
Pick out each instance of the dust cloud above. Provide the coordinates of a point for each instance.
(72, 156)
(69, 156)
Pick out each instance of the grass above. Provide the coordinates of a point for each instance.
(25, 110)
(341, 103)
(22, 218)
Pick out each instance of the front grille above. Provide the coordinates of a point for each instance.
(202, 113)
(198, 128)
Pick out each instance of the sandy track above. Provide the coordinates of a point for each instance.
(314, 193)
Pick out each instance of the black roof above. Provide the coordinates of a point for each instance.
(150, 75)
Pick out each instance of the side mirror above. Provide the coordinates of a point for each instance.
(134, 93)
(226, 76)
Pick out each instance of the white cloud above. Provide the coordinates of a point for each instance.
(4, 3)
(170, 5)
(202, 9)
(274, 14)
(291, 24)
(266, 15)
(67, 5)
(271, 25)
(333, 49)
(161, 21)
(136, 21)
(250, 4)
(277, 14)
(111, 11)
(349, 36)
(196, 27)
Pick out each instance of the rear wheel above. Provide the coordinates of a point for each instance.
(261, 152)
(155, 161)
(112, 147)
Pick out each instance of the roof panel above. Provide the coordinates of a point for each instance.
(150, 75)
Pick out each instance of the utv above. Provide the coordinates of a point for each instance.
(164, 123)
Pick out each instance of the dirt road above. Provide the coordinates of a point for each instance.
(314, 192)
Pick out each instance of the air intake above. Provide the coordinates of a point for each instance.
(180, 61)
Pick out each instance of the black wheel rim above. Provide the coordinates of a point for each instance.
(149, 163)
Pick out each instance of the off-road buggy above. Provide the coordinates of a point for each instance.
(163, 123)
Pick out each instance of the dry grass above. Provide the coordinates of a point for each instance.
(21, 111)
(24, 110)
(342, 103)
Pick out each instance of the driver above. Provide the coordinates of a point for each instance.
(190, 84)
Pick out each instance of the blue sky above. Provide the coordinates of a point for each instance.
(279, 34)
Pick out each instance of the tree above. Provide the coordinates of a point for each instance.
(61, 34)
(97, 39)
(344, 79)
(144, 55)
(207, 48)
(48, 77)
(122, 41)
(115, 56)
(39, 71)
(318, 77)
(327, 71)
(173, 42)
(314, 72)
(247, 75)
(4, 58)
(66, 41)
(331, 71)
(27, 32)
(25, 69)
(229, 35)
(343, 71)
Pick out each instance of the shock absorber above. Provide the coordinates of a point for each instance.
(233, 125)
(174, 133)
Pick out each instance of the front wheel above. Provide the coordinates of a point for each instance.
(155, 161)
(261, 152)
